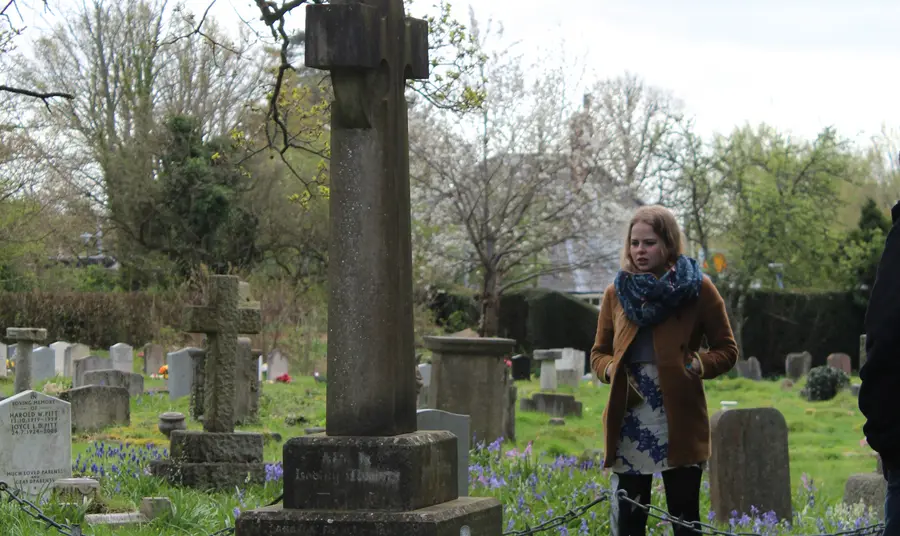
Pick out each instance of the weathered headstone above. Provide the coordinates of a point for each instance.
(181, 372)
(749, 466)
(122, 356)
(43, 365)
(571, 367)
(469, 377)
(379, 468)
(797, 365)
(95, 407)
(153, 358)
(198, 387)
(59, 353)
(3, 358)
(218, 458)
(87, 364)
(521, 367)
(867, 488)
(862, 351)
(749, 368)
(423, 398)
(36, 439)
(131, 381)
(25, 337)
(277, 365)
(555, 404)
(841, 362)
(547, 358)
(458, 425)
(73, 353)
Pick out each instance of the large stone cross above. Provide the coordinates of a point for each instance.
(371, 49)
(222, 319)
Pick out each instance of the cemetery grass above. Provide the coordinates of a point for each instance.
(548, 470)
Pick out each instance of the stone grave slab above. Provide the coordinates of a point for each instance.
(553, 404)
(841, 362)
(36, 439)
(43, 365)
(797, 365)
(153, 358)
(749, 466)
(59, 353)
(458, 425)
(749, 368)
(87, 364)
(521, 368)
(867, 488)
(73, 353)
(181, 372)
(277, 365)
(95, 407)
(131, 381)
(122, 356)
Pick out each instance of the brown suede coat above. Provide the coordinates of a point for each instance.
(674, 340)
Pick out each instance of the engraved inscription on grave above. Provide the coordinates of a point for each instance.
(36, 432)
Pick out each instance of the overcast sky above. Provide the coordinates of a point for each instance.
(799, 65)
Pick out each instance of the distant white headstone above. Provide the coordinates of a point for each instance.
(43, 365)
(278, 365)
(181, 373)
(3, 358)
(122, 356)
(59, 356)
(73, 353)
(458, 425)
(36, 434)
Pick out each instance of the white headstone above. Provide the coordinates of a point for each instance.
(73, 353)
(122, 356)
(3, 358)
(425, 371)
(36, 434)
(181, 373)
(458, 425)
(43, 365)
(59, 354)
(278, 365)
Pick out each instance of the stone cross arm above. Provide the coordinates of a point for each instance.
(206, 319)
(356, 35)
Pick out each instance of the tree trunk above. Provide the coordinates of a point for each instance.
(490, 305)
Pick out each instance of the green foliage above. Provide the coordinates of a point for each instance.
(780, 322)
(198, 218)
(861, 249)
(824, 383)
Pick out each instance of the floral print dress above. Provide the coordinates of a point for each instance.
(644, 438)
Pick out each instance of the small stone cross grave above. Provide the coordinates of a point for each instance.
(222, 319)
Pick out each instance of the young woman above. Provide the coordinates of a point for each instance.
(652, 320)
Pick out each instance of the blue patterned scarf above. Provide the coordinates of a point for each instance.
(648, 301)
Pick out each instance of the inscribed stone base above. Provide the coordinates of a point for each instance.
(209, 476)
(465, 515)
(556, 405)
(393, 473)
(867, 488)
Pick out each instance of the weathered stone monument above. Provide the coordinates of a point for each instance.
(840, 361)
(547, 359)
(217, 457)
(458, 425)
(553, 404)
(749, 466)
(153, 358)
(95, 407)
(469, 377)
(87, 364)
(867, 488)
(797, 365)
(372, 473)
(36, 434)
(131, 381)
(181, 371)
(25, 339)
(246, 399)
(749, 368)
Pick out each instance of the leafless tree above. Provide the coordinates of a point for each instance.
(495, 190)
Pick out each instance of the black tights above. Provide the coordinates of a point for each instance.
(682, 500)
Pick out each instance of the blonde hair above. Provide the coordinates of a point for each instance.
(666, 227)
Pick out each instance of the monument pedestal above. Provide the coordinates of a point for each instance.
(373, 486)
(210, 460)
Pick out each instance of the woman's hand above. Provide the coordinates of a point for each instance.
(695, 365)
(606, 372)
